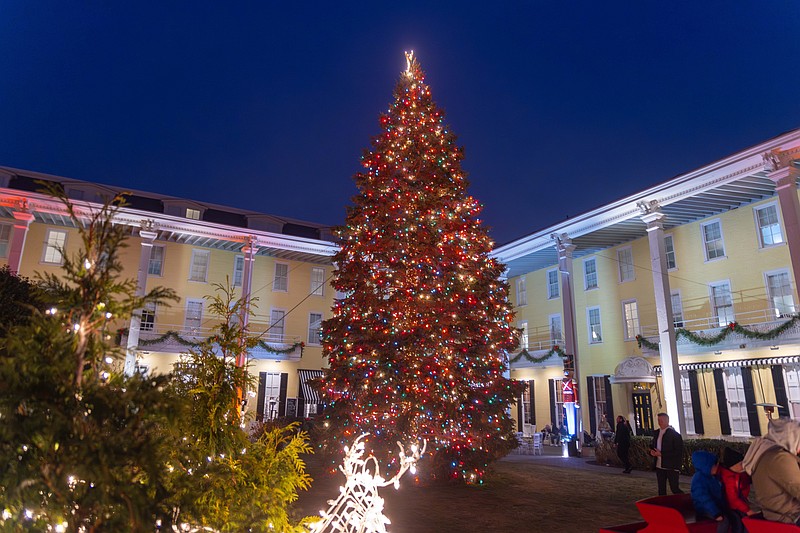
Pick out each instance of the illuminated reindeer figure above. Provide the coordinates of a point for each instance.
(359, 508)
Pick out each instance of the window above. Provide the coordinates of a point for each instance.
(148, 320)
(194, 315)
(276, 325)
(522, 291)
(523, 336)
(590, 274)
(199, 268)
(5, 238)
(630, 319)
(272, 394)
(600, 408)
(625, 260)
(737, 407)
(552, 283)
(554, 323)
(194, 214)
(315, 328)
(558, 400)
(156, 265)
(677, 309)
(525, 401)
(238, 270)
(779, 292)
(54, 244)
(686, 395)
(791, 374)
(595, 329)
(669, 252)
(317, 281)
(722, 302)
(769, 226)
(281, 281)
(712, 240)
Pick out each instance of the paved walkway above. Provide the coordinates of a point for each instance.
(553, 456)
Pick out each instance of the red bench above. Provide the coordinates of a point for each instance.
(667, 514)
(759, 525)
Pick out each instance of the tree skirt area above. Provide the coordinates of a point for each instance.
(521, 494)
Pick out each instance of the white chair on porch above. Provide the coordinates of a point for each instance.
(537, 444)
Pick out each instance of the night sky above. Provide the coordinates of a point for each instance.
(561, 106)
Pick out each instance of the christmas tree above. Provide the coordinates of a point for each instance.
(416, 349)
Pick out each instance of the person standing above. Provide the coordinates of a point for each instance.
(667, 448)
(773, 464)
(622, 439)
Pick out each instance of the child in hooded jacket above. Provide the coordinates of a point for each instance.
(707, 490)
(736, 486)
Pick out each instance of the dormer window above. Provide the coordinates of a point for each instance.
(194, 214)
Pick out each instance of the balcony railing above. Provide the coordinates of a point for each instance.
(537, 348)
(174, 338)
(759, 321)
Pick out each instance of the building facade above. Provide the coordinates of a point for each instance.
(681, 298)
(282, 266)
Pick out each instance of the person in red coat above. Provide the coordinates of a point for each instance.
(736, 486)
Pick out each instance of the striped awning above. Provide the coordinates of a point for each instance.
(738, 362)
(309, 394)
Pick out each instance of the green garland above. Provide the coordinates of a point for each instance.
(165, 337)
(528, 357)
(731, 328)
(180, 340)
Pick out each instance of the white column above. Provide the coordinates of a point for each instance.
(565, 249)
(22, 221)
(667, 346)
(784, 174)
(249, 250)
(147, 237)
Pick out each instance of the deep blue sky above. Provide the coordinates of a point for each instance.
(561, 106)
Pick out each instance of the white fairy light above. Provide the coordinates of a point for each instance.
(359, 508)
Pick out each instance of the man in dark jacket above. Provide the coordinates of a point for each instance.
(667, 448)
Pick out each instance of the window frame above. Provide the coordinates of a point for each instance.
(196, 253)
(667, 252)
(586, 285)
(553, 289)
(186, 316)
(553, 340)
(686, 396)
(318, 288)
(272, 322)
(147, 320)
(737, 414)
(523, 335)
(48, 246)
(759, 232)
(770, 296)
(275, 277)
(714, 309)
(589, 327)
(238, 259)
(317, 341)
(522, 291)
(628, 323)
(5, 242)
(621, 270)
(163, 252)
(675, 322)
(703, 226)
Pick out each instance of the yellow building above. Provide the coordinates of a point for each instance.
(714, 251)
(282, 265)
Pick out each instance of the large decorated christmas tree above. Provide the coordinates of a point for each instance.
(416, 348)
